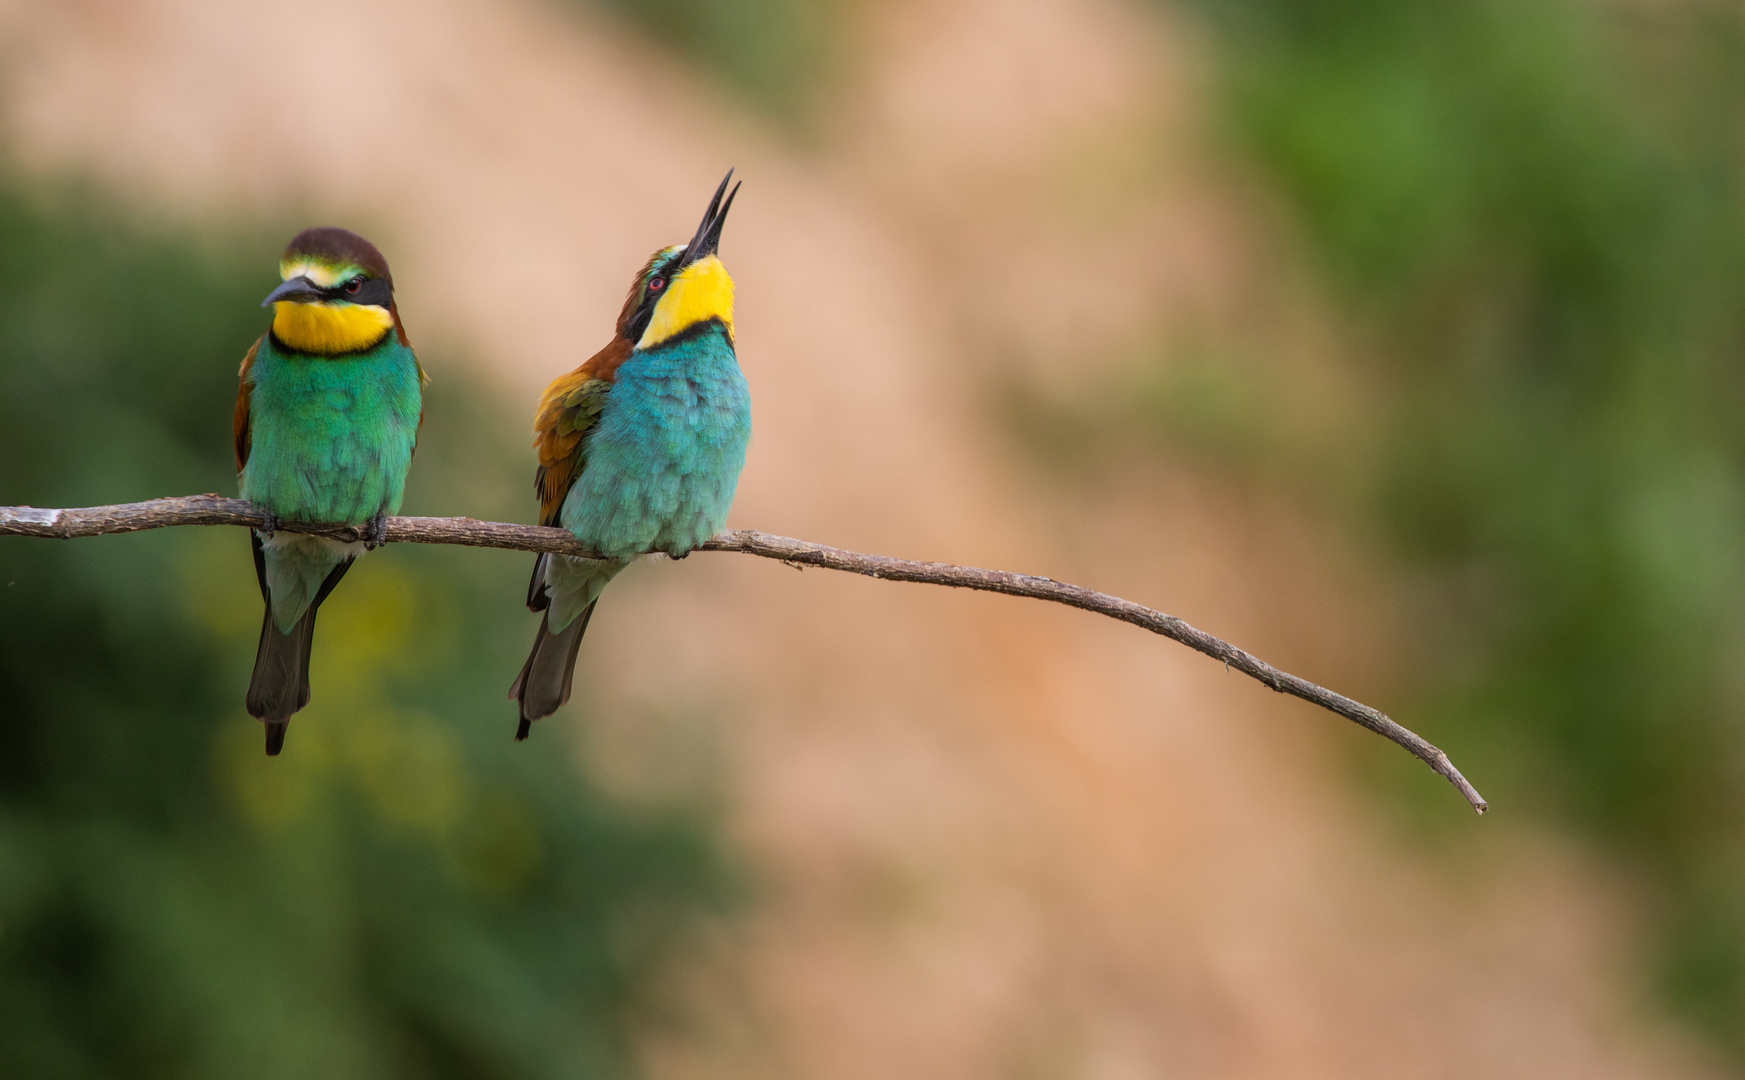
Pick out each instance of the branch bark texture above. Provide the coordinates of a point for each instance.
(216, 510)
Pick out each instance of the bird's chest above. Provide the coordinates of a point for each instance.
(331, 438)
(664, 460)
(671, 415)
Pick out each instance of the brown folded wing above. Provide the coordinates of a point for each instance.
(568, 410)
(239, 421)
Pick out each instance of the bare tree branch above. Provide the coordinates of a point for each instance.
(215, 510)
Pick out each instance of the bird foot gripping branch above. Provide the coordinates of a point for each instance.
(375, 532)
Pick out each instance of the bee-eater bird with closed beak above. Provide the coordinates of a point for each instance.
(327, 416)
(639, 449)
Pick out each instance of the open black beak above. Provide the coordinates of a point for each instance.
(298, 290)
(708, 237)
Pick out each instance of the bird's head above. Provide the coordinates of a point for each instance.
(337, 296)
(683, 287)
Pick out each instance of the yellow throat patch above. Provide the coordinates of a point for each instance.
(702, 291)
(330, 329)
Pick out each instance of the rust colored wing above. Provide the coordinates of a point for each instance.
(568, 410)
(239, 421)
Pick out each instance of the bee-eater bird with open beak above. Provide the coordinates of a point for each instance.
(639, 449)
(327, 415)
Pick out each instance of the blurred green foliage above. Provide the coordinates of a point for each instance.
(405, 892)
(774, 53)
(1532, 213)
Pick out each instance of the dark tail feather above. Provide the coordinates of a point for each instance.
(544, 683)
(280, 684)
(260, 563)
(536, 598)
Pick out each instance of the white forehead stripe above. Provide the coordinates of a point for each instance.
(321, 274)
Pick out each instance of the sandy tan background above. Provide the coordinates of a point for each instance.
(990, 839)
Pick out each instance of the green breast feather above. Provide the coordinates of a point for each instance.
(331, 437)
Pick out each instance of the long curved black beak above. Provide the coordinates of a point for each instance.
(708, 238)
(298, 290)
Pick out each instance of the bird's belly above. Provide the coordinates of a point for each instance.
(295, 566)
(330, 444)
(663, 464)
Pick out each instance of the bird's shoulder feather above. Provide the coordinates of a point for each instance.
(568, 410)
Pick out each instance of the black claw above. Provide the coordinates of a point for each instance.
(522, 731)
(271, 525)
(375, 533)
(276, 737)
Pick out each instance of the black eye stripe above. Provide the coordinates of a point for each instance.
(650, 295)
(375, 292)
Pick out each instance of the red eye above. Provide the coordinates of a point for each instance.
(655, 284)
(354, 286)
